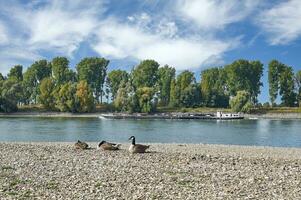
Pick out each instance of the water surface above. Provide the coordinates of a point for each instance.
(262, 132)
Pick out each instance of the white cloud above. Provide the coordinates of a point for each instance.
(3, 34)
(282, 22)
(117, 40)
(216, 14)
(58, 25)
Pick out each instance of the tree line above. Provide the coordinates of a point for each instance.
(148, 85)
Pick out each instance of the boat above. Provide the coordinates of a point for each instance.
(225, 116)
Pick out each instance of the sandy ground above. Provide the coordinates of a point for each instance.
(168, 171)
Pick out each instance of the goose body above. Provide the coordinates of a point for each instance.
(137, 148)
(108, 146)
(81, 145)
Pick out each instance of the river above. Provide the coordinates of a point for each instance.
(261, 132)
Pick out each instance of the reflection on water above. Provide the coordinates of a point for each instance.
(242, 132)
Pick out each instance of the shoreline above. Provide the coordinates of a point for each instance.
(55, 170)
(150, 116)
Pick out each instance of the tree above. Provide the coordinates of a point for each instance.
(32, 78)
(244, 75)
(114, 80)
(281, 80)
(47, 97)
(146, 99)
(287, 87)
(2, 78)
(145, 74)
(121, 99)
(66, 100)
(10, 94)
(186, 90)
(174, 94)
(213, 87)
(298, 85)
(93, 70)
(15, 73)
(240, 102)
(85, 97)
(165, 74)
(61, 72)
(273, 76)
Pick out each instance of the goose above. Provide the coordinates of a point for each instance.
(137, 148)
(81, 145)
(108, 146)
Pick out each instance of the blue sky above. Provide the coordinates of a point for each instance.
(186, 34)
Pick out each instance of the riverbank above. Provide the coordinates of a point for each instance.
(169, 171)
(153, 116)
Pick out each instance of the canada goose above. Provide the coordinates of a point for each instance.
(81, 145)
(137, 148)
(108, 146)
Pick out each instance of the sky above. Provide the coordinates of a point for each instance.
(186, 34)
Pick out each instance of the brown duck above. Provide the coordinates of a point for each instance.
(81, 145)
(137, 148)
(108, 146)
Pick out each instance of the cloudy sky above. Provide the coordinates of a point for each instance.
(186, 34)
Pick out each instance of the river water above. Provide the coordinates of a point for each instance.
(261, 132)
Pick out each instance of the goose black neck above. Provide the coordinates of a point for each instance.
(133, 141)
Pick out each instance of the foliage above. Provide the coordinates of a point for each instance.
(61, 72)
(244, 75)
(298, 85)
(213, 87)
(47, 96)
(241, 102)
(165, 76)
(32, 78)
(11, 93)
(93, 70)
(15, 73)
(65, 96)
(114, 79)
(145, 74)
(146, 99)
(85, 97)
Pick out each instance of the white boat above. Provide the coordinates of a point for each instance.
(221, 115)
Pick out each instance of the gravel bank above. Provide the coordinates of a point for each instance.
(169, 171)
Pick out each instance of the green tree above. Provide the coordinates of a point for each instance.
(298, 84)
(146, 99)
(166, 74)
(10, 95)
(114, 79)
(65, 96)
(244, 75)
(85, 97)
(15, 73)
(213, 87)
(145, 74)
(94, 71)
(2, 78)
(47, 96)
(275, 68)
(174, 94)
(287, 87)
(61, 72)
(240, 102)
(32, 78)
(186, 89)
(121, 99)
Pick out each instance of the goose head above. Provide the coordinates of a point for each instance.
(133, 139)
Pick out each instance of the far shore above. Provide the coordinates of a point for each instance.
(99, 114)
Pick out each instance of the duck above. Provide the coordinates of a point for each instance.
(137, 148)
(81, 145)
(108, 146)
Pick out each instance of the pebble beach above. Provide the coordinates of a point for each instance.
(167, 171)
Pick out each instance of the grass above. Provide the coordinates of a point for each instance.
(7, 168)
